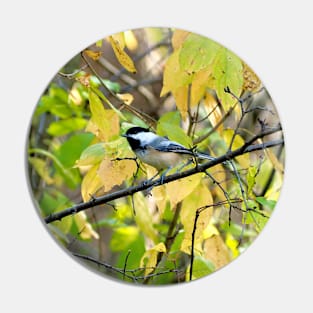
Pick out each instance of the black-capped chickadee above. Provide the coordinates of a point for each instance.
(157, 151)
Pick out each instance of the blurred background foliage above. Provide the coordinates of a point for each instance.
(174, 82)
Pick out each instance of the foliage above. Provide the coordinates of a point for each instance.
(76, 153)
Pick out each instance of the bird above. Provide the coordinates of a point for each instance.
(160, 152)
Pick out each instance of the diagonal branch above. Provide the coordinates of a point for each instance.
(199, 168)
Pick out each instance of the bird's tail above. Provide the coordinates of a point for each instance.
(205, 156)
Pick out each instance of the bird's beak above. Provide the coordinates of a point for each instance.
(124, 135)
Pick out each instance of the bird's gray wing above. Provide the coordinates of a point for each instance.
(165, 145)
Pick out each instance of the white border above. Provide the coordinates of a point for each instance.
(274, 38)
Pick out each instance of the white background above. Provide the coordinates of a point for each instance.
(274, 38)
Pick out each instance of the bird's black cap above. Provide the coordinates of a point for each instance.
(135, 130)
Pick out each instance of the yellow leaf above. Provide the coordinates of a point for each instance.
(151, 256)
(243, 160)
(219, 174)
(121, 55)
(95, 55)
(174, 77)
(215, 113)
(126, 97)
(84, 79)
(199, 85)
(216, 251)
(251, 81)
(92, 155)
(114, 173)
(232, 244)
(91, 183)
(143, 217)
(160, 196)
(181, 99)
(42, 169)
(178, 38)
(99, 43)
(200, 197)
(74, 96)
(130, 40)
(275, 162)
(104, 123)
(85, 229)
(119, 38)
(179, 189)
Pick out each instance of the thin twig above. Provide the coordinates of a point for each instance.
(125, 263)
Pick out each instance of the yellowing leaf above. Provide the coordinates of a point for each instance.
(251, 81)
(149, 259)
(84, 79)
(119, 38)
(42, 169)
(232, 244)
(91, 183)
(104, 123)
(174, 77)
(200, 197)
(122, 237)
(75, 97)
(243, 160)
(114, 173)
(91, 155)
(160, 197)
(199, 85)
(126, 97)
(250, 177)
(143, 217)
(99, 43)
(131, 41)
(178, 38)
(275, 162)
(85, 229)
(216, 251)
(219, 174)
(181, 98)
(197, 53)
(95, 55)
(179, 189)
(228, 72)
(121, 55)
(211, 108)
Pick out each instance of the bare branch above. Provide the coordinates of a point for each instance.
(164, 180)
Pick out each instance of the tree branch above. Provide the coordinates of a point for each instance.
(164, 180)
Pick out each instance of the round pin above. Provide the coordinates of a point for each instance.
(155, 156)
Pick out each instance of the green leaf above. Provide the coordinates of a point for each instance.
(92, 155)
(115, 87)
(169, 125)
(122, 237)
(64, 127)
(252, 171)
(197, 52)
(228, 72)
(201, 268)
(72, 148)
(133, 254)
(70, 177)
(54, 106)
(53, 202)
(174, 77)
(266, 203)
(143, 217)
